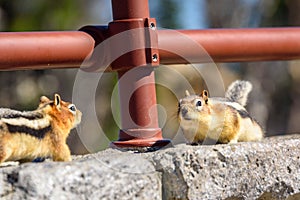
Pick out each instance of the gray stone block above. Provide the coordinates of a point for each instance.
(264, 170)
(238, 171)
(107, 175)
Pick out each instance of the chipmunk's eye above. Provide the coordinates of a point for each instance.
(198, 103)
(72, 108)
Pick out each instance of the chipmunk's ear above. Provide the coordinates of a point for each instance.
(204, 95)
(44, 99)
(187, 93)
(57, 100)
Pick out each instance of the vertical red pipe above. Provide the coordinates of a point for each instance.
(137, 83)
(130, 9)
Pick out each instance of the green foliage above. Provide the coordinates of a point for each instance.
(167, 14)
(28, 15)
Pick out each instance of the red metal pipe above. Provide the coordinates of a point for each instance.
(136, 79)
(44, 50)
(138, 110)
(130, 9)
(229, 45)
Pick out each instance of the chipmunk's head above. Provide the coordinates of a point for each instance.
(191, 106)
(64, 114)
(193, 111)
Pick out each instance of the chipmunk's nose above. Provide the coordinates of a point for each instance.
(184, 111)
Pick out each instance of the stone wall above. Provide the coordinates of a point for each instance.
(266, 170)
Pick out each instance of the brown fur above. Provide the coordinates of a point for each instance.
(215, 119)
(25, 145)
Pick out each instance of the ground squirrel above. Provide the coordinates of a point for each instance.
(224, 120)
(42, 133)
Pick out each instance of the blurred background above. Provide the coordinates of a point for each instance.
(274, 101)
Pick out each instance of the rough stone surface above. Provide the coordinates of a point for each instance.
(265, 170)
(241, 171)
(106, 175)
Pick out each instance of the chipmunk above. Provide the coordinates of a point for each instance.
(224, 120)
(41, 133)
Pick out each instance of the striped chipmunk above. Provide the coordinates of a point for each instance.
(42, 133)
(224, 120)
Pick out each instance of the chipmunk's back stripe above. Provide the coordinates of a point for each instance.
(13, 114)
(244, 114)
(40, 134)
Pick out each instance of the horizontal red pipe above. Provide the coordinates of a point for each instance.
(44, 50)
(229, 45)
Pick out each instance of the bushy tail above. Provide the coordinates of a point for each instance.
(238, 92)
